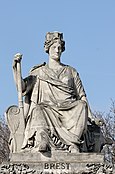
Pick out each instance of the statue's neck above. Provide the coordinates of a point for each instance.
(54, 64)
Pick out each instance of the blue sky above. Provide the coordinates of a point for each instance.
(89, 32)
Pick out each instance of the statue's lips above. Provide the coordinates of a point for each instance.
(56, 56)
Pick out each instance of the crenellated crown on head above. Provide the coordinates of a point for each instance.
(52, 37)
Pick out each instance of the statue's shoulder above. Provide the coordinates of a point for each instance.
(72, 69)
(36, 67)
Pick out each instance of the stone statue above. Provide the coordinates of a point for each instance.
(55, 110)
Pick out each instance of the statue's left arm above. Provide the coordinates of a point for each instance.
(80, 93)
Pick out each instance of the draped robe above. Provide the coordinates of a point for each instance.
(53, 103)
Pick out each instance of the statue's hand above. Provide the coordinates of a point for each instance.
(17, 59)
(99, 122)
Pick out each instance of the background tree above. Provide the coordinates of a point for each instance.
(4, 137)
(108, 128)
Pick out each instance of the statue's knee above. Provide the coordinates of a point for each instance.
(37, 110)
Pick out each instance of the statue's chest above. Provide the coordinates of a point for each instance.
(64, 76)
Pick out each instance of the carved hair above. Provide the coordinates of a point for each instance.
(53, 37)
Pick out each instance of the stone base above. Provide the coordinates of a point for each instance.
(57, 156)
(56, 163)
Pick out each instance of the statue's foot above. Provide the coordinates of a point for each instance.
(44, 147)
(44, 143)
(74, 149)
(41, 147)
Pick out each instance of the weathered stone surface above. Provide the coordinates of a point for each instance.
(59, 163)
(57, 157)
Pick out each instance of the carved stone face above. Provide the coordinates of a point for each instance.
(55, 51)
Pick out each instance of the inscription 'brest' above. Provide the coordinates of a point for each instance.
(56, 166)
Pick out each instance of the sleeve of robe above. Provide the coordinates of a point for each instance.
(80, 92)
(78, 87)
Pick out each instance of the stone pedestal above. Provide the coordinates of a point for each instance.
(55, 163)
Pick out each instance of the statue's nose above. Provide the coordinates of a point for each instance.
(57, 49)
